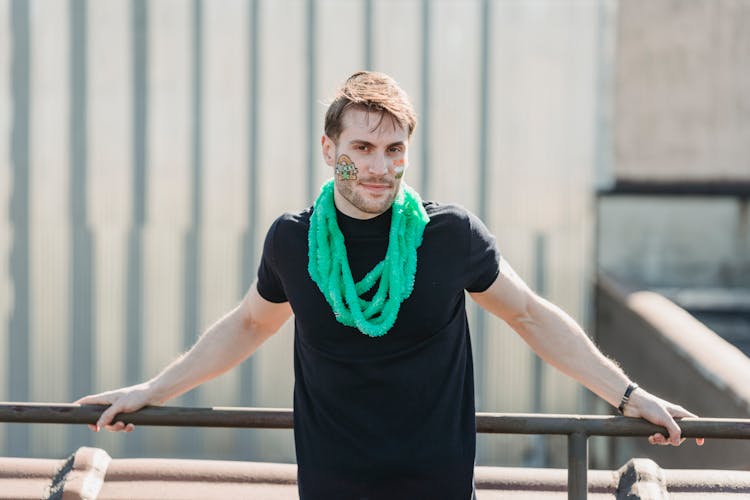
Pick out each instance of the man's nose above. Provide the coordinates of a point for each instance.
(379, 165)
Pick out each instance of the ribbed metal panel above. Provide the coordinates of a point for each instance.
(169, 135)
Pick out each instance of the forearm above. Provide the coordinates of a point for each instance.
(561, 342)
(224, 345)
(557, 338)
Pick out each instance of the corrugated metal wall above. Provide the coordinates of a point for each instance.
(145, 147)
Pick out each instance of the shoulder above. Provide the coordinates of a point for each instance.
(457, 221)
(290, 222)
(450, 214)
(448, 210)
(288, 231)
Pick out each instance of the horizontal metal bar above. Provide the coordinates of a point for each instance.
(596, 425)
(265, 418)
(172, 416)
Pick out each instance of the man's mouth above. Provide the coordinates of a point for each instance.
(375, 186)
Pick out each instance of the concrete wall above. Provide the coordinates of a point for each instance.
(671, 354)
(682, 106)
(679, 241)
(681, 113)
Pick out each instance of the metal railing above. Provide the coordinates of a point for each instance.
(578, 428)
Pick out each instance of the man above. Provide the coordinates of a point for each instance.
(376, 280)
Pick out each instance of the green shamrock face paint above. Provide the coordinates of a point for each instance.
(346, 170)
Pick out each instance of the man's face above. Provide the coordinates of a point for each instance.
(368, 160)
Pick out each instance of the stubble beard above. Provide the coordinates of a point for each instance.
(365, 205)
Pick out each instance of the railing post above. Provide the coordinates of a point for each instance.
(578, 464)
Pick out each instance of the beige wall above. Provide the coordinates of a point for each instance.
(682, 107)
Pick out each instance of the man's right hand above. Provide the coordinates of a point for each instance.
(125, 400)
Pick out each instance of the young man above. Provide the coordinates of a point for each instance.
(384, 384)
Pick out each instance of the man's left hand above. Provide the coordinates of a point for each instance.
(643, 404)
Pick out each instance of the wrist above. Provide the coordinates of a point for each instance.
(632, 387)
(156, 393)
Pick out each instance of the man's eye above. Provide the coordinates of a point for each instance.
(395, 149)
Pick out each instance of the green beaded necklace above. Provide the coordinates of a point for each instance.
(328, 263)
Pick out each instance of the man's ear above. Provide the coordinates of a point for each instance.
(328, 148)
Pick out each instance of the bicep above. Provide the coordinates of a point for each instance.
(508, 297)
(263, 316)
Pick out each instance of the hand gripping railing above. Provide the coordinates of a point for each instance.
(578, 428)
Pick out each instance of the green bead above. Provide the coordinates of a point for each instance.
(328, 263)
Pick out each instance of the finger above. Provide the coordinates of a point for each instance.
(123, 427)
(680, 412)
(674, 432)
(658, 439)
(116, 427)
(105, 419)
(92, 400)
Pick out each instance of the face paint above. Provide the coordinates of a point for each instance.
(398, 168)
(346, 170)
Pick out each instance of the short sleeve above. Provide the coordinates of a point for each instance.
(269, 284)
(483, 262)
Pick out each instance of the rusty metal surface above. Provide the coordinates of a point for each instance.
(595, 425)
(172, 416)
(498, 423)
(177, 479)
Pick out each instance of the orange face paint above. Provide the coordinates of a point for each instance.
(398, 167)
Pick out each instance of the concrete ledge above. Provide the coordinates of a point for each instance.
(717, 481)
(716, 359)
(675, 356)
(530, 479)
(172, 479)
(722, 364)
(26, 478)
(209, 471)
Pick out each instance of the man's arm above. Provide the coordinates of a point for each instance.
(223, 346)
(558, 340)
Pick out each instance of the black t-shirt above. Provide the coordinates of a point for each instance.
(393, 416)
